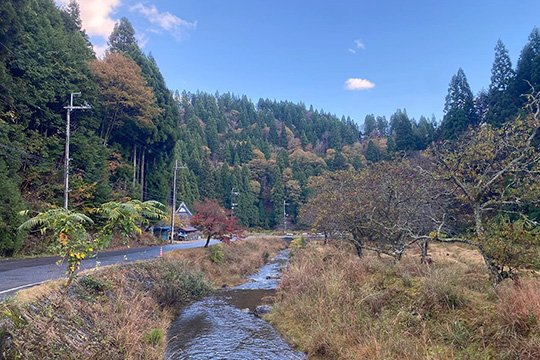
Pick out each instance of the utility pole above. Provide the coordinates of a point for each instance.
(285, 217)
(176, 167)
(70, 108)
(233, 204)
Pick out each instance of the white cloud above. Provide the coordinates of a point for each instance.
(142, 40)
(164, 20)
(100, 50)
(352, 51)
(359, 44)
(358, 84)
(96, 16)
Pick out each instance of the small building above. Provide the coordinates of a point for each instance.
(184, 233)
(161, 232)
(184, 214)
(189, 233)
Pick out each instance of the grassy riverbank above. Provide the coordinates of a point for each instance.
(230, 264)
(333, 305)
(121, 312)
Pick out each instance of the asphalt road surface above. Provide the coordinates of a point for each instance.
(20, 274)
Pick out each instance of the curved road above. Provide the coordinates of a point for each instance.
(20, 274)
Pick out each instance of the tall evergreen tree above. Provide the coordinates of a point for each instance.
(459, 110)
(370, 124)
(500, 105)
(278, 195)
(528, 69)
(424, 132)
(382, 125)
(206, 183)
(122, 38)
(402, 128)
(373, 153)
(12, 202)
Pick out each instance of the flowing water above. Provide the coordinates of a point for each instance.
(219, 326)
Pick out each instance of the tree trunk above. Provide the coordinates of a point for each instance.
(134, 165)
(493, 270)
(207, 241)
(357, 242)
(399, 254)
(424, 250)
(142, 176)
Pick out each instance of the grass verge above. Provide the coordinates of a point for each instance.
(333, 305)
(229, 264)
(120, 312)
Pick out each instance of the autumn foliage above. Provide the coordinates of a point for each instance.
(481, 189)
(214, 221)
(125, 93)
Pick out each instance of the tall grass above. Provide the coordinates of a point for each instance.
(105, 315)
(121, 312)
(333, 305)
(236, 260)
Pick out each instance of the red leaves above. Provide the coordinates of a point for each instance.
(214, 221)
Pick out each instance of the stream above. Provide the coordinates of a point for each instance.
(219, 326)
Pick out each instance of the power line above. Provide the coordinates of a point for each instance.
(37, 63)
(42, 162)
(21, 152)
(26, 157)
(65, 85)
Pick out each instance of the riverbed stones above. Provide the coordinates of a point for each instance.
(262, 310)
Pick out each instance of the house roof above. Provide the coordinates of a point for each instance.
(183, 210)
(188, 229)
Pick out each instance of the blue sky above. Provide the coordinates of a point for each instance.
(395, 54)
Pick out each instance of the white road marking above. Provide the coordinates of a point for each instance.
(22, 287)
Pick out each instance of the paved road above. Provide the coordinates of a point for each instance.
(19, 274)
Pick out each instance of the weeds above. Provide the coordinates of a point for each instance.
(119, 312)
(230, 263)
(153, 337)
(216, 253)
(333, 305)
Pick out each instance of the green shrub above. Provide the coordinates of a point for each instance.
(216, 253)
(93, 284)
(153, 337)
(176, 283)
(298, 243)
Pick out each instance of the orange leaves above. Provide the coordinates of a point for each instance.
(126, 94)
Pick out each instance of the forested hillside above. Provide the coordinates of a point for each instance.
(262, 154)
(126, 144)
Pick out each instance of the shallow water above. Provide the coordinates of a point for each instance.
(217, 327)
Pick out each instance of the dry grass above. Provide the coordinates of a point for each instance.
(122, 312)
(241, 258)
(333, 305)
(106, 314)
